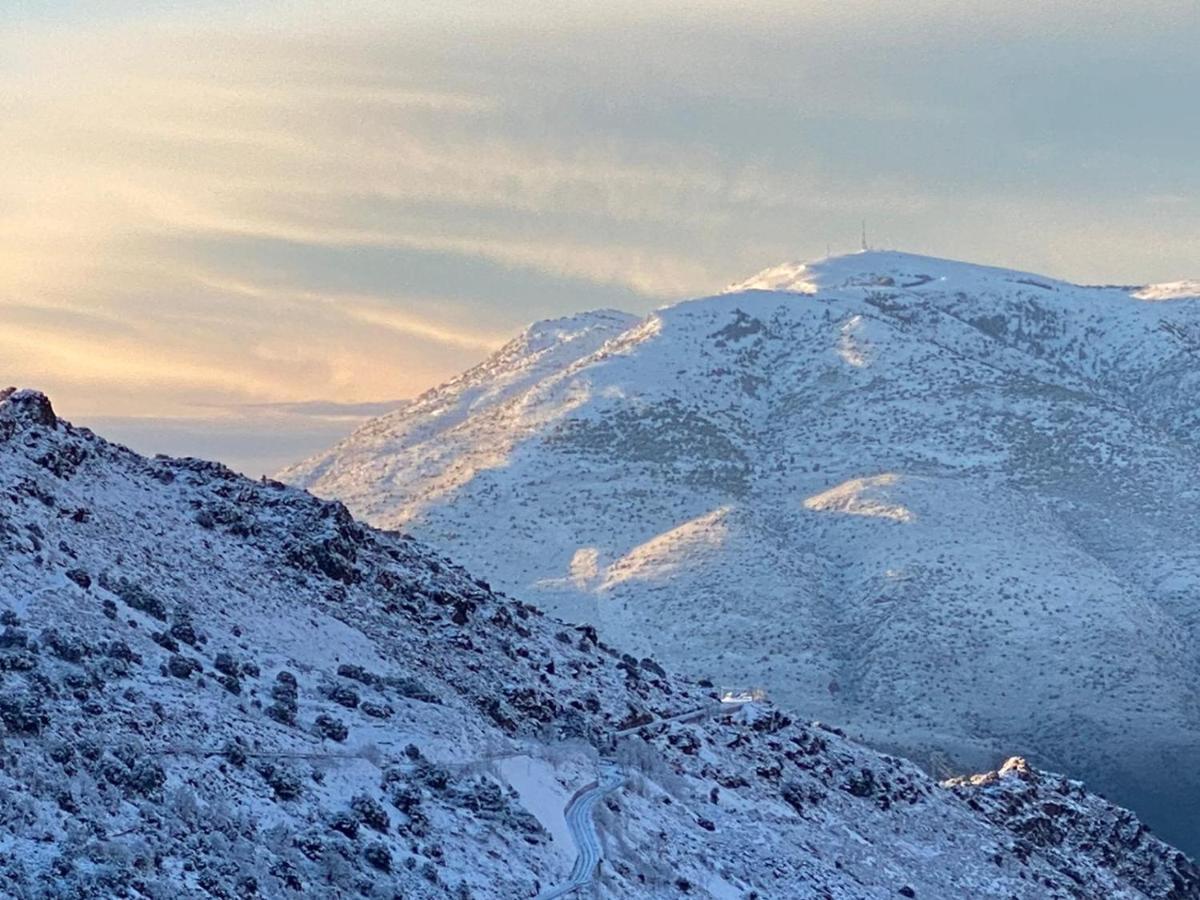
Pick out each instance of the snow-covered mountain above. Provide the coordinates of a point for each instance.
(213, 687)
(953, 507)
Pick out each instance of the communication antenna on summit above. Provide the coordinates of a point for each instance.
(864, 235)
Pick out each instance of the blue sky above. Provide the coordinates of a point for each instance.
(217, 219)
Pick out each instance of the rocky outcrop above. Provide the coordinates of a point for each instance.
(1059, 818)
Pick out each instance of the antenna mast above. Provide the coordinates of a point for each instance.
(864, 234)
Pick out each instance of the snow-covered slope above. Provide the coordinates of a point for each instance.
(213, 687)
(952, 506)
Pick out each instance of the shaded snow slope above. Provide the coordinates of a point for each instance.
(213, 687)
(949, 505)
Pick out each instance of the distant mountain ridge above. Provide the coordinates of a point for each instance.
(951, 506)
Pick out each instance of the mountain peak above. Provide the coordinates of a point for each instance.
(874, 269)
(877, 268)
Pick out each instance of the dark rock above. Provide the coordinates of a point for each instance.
(25, 661)
(22, 715)
(357, 673)
(772, 723)
(146, 777)
(122, 651)
(66, 647)
(334, 558)
(63, 461)
(80, 577)
(284, 692)
(462, 612)
(30, 407)
(13, 638)
(435, 777)
(412, 689)
(533, 704)
(285, 783)
(379, 856)
(283, 713)
(235, 753)
(484, 797)
(495, 710)
(183, 631)
(861, 785)
(331, 728)
(181, 666)
(345, 823)
(651, 666)
(405, 798)
(370, 812)
(165, 641)
(376, 710)
(342, 695)
(136, 597)
(66, 802)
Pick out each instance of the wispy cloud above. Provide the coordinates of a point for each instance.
(373, 310)
(297, 201)
(325, 409)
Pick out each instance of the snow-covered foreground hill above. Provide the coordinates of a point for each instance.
(950, 506)
(212, 687)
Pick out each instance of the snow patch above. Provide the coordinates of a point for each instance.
(862, 497)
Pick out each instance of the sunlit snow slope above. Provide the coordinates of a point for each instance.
(951, 506)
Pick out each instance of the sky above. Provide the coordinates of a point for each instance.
(235, 229)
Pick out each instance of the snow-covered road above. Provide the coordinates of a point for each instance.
(578, 813)
(583, 830)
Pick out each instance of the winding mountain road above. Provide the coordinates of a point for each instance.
(583, 830)
(579, 811)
